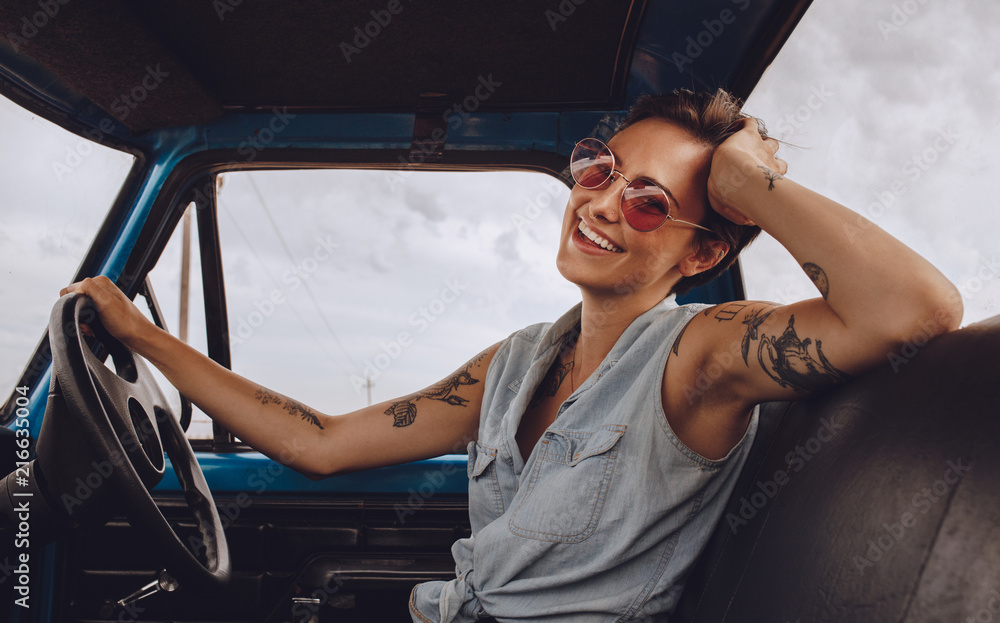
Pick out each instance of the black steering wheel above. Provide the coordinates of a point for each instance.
(121, 420)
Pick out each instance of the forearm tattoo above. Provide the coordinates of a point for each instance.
(294, 407)
(771, 175)
(818, 276)
(404, 411)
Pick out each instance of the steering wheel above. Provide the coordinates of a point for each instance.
(123, 420)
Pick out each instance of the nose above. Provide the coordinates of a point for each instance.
(606, 202)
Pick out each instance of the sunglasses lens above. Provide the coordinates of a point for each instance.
(591, 164)
(644, 205)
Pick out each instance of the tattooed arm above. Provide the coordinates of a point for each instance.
(437, 420)
(876, 294)
(875, 287)
(442, 418)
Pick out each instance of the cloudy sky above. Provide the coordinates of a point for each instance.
(889, 107)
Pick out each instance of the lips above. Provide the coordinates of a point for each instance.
(598, 240)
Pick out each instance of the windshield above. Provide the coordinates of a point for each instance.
(55, 188)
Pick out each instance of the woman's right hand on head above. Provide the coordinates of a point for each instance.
(118, 314)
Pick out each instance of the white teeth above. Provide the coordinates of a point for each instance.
(589, 233)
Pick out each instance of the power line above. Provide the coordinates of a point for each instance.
(305, 283)
(274, 281)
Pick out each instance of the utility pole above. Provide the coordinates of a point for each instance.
(182, 324)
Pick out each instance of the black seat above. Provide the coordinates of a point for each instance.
(879, 501)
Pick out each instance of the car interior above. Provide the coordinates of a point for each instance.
(199, 91)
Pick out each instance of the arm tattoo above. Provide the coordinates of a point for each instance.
(552, 382)
(786, 359)
(724, 314)
(404, 411)
(753, 322)
(818, 276)
(677, 340)
(267, 397)
(304, 412)
(772, 176)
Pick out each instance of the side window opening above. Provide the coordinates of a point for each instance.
(177, 282)
(344, 289)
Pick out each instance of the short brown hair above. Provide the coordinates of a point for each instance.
(710, 118)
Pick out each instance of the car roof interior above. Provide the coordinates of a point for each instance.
(228, 57)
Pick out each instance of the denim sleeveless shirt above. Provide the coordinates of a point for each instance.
(606, 516)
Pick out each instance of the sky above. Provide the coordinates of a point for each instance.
(887, 107)
(892, 107)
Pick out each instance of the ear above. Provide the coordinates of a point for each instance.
(705, 256)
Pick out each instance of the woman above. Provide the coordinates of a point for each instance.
(603, 447)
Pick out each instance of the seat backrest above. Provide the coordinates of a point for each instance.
(879, 501)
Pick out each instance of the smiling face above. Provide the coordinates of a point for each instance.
(602, 254)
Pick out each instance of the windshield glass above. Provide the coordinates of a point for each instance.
(55, 188)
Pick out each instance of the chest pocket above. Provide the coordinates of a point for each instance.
(568, 484)
(485, 498)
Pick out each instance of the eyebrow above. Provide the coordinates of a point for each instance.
(662, 186)
(669, 194)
